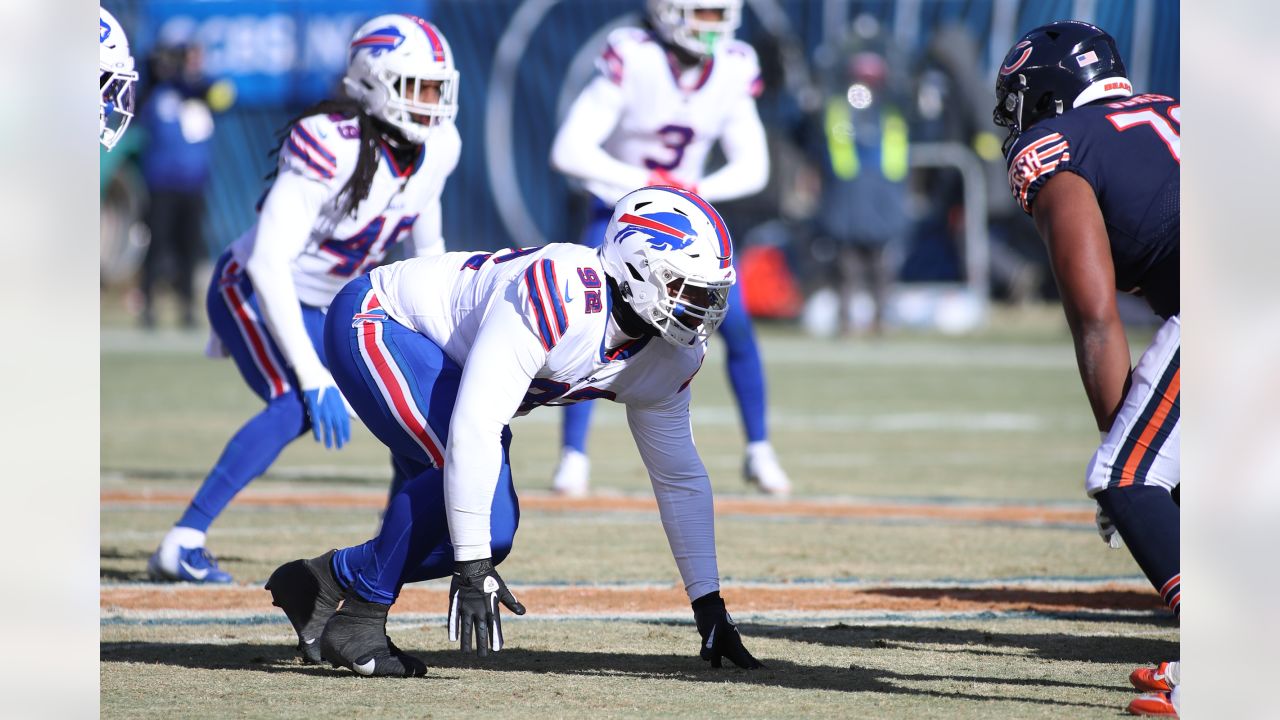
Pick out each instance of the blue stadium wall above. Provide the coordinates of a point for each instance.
(285, 54)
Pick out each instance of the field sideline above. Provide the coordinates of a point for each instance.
(937, 560)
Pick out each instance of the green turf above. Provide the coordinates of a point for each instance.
(899, 418)
(964, 670)
(998, 417)
(573, 547)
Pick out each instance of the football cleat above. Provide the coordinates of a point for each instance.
(573, 474)
(1153, 705)
(761, 469)
(194, 565)
(1153, 680)
(356, 638)
(309, 594)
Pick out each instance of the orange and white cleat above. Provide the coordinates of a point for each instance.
(1159, 679)
(1153, 705)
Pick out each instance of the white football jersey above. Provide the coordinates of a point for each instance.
(324, 149)
(532, 327)
(559, 293)
(672, 118)
(646, 119)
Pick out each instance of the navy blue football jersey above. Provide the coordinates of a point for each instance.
(1129, 152)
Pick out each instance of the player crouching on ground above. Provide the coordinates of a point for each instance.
(436, 356)
(1098, 170)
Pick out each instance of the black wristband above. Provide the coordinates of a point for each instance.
(472, 568)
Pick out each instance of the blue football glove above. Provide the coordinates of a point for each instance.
(329, 413)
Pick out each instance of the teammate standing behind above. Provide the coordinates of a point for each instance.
(666, 92)
(438, 354)
(354, 178)
(1098, 170)
(117, 80)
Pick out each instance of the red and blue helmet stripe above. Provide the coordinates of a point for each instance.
(723, 244)
(433, 37)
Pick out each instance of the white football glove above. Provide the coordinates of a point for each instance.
(1107, 530)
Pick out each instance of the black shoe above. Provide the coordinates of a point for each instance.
(309, 594)
(356, 639)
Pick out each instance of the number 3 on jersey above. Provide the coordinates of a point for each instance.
(675, 138)
(1165, 129)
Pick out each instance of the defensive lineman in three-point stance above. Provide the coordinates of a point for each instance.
(354, 178)
(1098, 169)
(437, 355)
(665, 94)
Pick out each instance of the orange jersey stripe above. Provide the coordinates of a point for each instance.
(1157, 419)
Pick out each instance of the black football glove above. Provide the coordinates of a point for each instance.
(473, 603)
(720, 638)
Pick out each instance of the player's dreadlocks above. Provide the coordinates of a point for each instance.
(357, 188)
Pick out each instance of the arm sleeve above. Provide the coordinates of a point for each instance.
(747, 152)
(577, 148)
(288, 213)
(680, 483)
(1038, 155)
(427, 239)
(502, 361)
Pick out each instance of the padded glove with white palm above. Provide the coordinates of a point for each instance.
(474, 595)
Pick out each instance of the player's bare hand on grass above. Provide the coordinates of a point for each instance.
(473, 606)
(720, 638)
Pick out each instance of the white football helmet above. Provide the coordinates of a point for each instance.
(671, 256)
(676, 23)
(389, 58)
(116, 78)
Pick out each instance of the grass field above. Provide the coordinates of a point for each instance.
(938, 558)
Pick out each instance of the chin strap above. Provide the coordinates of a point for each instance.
(629, 321)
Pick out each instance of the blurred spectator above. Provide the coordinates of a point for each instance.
(861, 148)
(953, 104)
(176, 164)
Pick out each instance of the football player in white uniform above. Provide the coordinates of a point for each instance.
(664, 95)
(116, 80)
(438, 354)
(354, 178)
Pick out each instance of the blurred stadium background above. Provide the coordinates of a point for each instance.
(938, 558)
(522, 62)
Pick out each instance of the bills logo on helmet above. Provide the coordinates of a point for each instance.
(104, 30)
(1026, 53)
(387, 38)
(666, 231)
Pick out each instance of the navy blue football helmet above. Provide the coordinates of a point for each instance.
(1054, 68)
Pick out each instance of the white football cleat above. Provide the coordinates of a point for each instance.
(573, 474)
(763, 470)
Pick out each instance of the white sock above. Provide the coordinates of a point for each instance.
(1175, 697)
(177, 538)
(759, 447)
